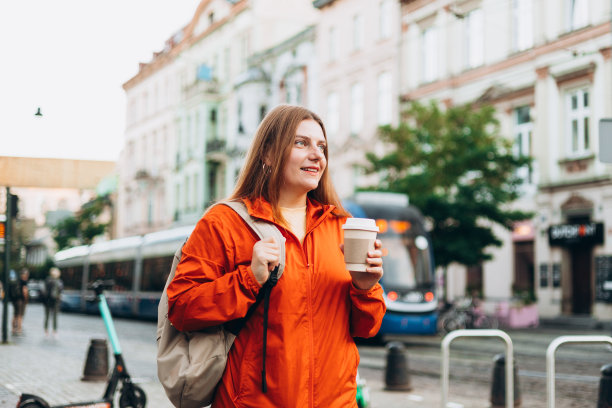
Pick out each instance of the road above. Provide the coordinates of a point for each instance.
(53, 368)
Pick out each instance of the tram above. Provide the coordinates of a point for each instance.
(138, 265)
(409, 280)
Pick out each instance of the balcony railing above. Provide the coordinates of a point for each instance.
(215, 146)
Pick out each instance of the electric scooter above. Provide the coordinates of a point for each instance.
(131, 395)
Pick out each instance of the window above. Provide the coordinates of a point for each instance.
(187, 196)
(474, 30)
(155, 272)
(356, 108)
(384, 22)
(578, 12)
(225, 71)
(244, 51)
(522, 16)
(429, 41)
(522, 142)
(333, 115)
(333, 43)
(150, 209)
(384, 98)
(578, 122)
(358, 32)
(177, 206)
(195, 192)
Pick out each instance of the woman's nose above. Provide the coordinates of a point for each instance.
(316, 153)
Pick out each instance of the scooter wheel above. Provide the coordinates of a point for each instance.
(132, 397)
(30, 404)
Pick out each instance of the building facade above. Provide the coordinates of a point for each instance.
(358, 81)
(547, 69)
(185, 137)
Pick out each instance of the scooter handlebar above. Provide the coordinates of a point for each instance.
(100, 285)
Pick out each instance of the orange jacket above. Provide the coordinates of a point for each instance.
(314, 310)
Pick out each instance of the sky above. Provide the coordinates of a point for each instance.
(70, 58)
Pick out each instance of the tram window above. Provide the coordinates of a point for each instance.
(122, 273)
(406, 261)
(72, 277)
(155, 271)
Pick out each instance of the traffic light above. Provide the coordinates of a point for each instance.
(14, 205)
(2, 231)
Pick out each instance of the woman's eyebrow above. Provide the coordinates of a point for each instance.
(310, 138)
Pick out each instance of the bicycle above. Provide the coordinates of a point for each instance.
(466, 315)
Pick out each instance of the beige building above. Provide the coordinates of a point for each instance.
(546, 66)
(185, 137)
(358, 81)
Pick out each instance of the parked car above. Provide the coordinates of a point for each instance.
(36, 290)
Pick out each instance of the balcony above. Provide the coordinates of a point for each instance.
(215, 146)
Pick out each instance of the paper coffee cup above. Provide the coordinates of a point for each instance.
(359, 237)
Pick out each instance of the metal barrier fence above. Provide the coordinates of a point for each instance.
(444, 373)
(550, 359)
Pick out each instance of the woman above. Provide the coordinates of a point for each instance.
(317, 305)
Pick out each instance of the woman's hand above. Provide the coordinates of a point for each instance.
(266, 255)
(374, 270)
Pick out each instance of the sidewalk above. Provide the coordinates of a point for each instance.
(52, 368)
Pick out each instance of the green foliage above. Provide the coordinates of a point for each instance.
(459, 171)
(84, 226)
(524, 296)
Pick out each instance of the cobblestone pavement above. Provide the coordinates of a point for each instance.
(52, 367)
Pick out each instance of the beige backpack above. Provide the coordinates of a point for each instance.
(190, 364)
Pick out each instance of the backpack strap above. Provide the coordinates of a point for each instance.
(262, 228)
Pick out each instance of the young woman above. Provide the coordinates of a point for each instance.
(317, 306)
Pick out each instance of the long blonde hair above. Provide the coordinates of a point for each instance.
(274, 139)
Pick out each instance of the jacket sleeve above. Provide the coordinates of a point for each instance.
(368, 309)
(213, 282)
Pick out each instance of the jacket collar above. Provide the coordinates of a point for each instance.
(261, 208)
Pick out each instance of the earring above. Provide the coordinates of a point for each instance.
(266, 169)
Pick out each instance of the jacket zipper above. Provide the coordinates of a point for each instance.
(310, 328)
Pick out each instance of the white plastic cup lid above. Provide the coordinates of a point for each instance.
(367, 224)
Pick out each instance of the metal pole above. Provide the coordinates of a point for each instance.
(550, 359)
(444, 371)
(7, 258)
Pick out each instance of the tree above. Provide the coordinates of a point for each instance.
(84, 226)
(459, 171)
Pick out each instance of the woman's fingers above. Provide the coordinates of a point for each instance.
(266, 255)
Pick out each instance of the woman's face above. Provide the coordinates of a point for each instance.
(306, 161)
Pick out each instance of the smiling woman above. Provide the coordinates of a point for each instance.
(317, 305)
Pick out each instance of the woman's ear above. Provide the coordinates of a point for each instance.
(267, 160)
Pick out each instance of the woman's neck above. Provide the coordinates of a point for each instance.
(297, 201)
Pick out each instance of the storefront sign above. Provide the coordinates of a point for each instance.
(576, 234)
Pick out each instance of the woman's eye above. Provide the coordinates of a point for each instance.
(300, 143)
(322, 148)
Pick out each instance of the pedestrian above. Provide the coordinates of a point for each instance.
(52, 298)
(317, 306)
(18, 288)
